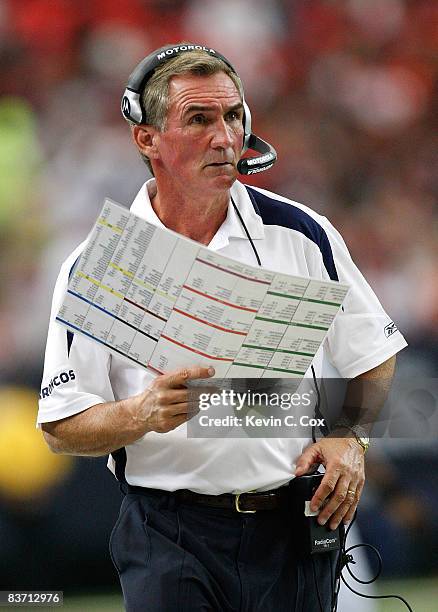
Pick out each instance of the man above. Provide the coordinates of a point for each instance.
(185, 539)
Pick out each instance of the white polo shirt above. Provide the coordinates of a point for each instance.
(289, 238)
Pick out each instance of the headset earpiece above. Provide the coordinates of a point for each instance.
(131, 107)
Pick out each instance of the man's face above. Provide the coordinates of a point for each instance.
(202, 141)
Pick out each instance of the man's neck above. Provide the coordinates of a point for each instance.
(197, 217)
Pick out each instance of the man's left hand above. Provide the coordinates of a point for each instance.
(339, 492)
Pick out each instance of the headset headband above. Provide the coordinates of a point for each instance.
(145, 69)
(133, 111)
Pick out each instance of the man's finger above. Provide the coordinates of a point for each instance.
(335, 500)
(190, 409)
(349, 502)
(307, 460)
(176, 408)
(167, 423)
(350, 513)
(167, 397)
(173, 410)
(180, 377)
(325, 489)
(179, 420)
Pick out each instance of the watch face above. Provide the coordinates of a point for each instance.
(359, 432)
(361, 436)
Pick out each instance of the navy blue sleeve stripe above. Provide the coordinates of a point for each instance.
(275, 212)
(72, 268)
(70, 336)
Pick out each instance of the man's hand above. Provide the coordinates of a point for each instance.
(343, 457)
(104, 428)
(164, 405)
(341, 487)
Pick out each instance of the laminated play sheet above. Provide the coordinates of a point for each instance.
(163, 301)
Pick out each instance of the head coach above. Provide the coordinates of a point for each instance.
(209, 524)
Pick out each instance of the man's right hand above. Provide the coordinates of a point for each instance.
(104, 428)
(165, 405)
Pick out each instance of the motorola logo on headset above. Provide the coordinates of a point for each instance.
(173, 50)
(133, 111)
(126, 107)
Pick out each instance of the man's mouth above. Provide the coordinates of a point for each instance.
(220, 164)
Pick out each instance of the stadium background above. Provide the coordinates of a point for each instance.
(344, 89)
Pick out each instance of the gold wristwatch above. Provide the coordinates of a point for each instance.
(359, 432)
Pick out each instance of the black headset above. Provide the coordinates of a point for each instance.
(134, 113)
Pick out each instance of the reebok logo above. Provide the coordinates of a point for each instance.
(60, 379)
(390, 329)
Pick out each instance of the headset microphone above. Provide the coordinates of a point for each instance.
(133, 111)
(253, 165)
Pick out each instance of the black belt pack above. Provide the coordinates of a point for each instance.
(318, 538)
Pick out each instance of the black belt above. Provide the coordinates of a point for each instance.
(241, 502)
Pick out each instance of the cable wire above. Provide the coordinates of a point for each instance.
(246, 232)
(345, 559)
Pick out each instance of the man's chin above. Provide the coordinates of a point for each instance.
(223, 181)
(226, 174)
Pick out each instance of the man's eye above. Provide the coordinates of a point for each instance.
(233, 116)
(198, 119)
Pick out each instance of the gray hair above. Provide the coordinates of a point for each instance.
(155, 96)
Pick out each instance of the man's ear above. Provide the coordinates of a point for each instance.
(144, 138)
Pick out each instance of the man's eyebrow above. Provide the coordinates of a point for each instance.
(235, 107)
(205, 108)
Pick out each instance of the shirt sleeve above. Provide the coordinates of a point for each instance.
(76, 370)
(362, 335)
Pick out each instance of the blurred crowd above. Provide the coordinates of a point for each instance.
(344, 89)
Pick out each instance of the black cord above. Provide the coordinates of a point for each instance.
(349, 559)
(318, 400)
(377, 596)
(345, 558)
(324, 429)
(246, 232)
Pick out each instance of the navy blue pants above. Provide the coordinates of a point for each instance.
(173, 557)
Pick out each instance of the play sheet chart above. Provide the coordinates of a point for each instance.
(163, 301)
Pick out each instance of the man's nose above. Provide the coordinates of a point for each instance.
(223, 134)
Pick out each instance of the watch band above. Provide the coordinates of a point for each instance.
(359, 432)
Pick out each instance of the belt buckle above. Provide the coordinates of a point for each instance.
(238, 508)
